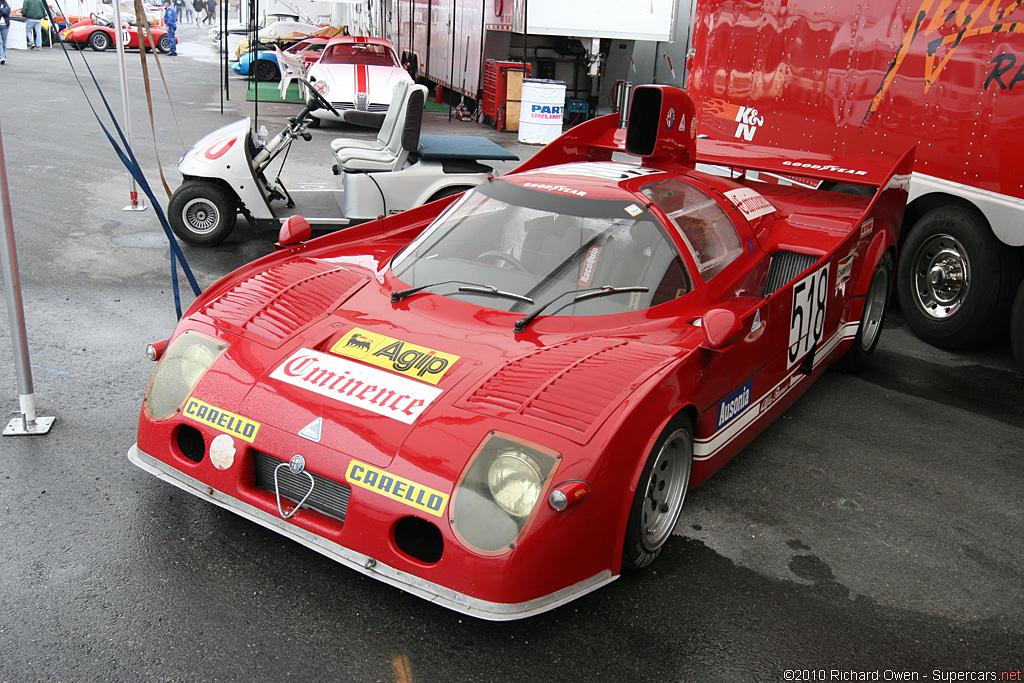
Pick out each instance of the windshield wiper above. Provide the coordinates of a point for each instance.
(581, 295)
(469, 287)
(492, 291)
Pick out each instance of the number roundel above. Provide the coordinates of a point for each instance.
(807, 317)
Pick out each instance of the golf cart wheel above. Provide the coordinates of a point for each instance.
(99, 41)
(202, 214)
(266, 70)
(164, 44)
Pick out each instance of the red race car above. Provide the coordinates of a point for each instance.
(98, 33)
(498, 402)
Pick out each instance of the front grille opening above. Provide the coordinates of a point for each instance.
(328, 497)
(419, 539)
(191, 443)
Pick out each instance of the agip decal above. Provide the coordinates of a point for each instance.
(405, 358)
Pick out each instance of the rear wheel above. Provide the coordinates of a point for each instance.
(201, 213)
(660, 494)
(875, 305)
(99, 41)
(266, 70)
(956, 280)
(164, 44)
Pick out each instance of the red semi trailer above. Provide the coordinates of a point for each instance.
(860, 78)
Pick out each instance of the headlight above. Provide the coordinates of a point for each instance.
(499, 490)
(183, 364)
(514, 480)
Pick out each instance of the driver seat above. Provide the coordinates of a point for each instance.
(405, 138)
(387, 128)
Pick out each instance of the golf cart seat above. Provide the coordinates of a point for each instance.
(404, 138)
(387, 128)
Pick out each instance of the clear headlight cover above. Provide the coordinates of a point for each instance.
(499, 491)
(183, 364)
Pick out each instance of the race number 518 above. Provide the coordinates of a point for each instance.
(807, 319)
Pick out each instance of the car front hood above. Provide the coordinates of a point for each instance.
(343, 365)
(345, 80)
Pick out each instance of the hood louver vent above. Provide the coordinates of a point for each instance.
(277, 303)
(571, 387)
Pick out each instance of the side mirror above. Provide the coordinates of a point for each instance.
(721, 327)
(295, 230)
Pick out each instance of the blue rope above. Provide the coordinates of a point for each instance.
(127, 158)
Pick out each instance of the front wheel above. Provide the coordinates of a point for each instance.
(99, 41)
(955, 279)
(660, 494)
(266, 70)
(202, 214)
(875, 305)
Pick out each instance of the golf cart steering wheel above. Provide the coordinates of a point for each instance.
(502, 256)
(320, 99)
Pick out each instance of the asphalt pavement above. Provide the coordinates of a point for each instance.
(874, 531)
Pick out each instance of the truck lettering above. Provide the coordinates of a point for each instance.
(1002, 64)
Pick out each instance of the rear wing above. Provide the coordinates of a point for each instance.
(661, 131)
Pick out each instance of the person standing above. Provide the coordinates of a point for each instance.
(179, 8)
(171, 22)
(197, 6)
(5, 25)
(34, 12)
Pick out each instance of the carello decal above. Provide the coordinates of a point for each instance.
(220, 419)
(396, 488)
(730, 407)
(411, 360)
(945, 27)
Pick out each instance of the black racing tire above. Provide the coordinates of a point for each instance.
(448, 192)
(99, 41)
(164, 44)
(201, 213)
(265, 70)
(876, 303)
(660, 494)
(956, 280)
(1017, 327)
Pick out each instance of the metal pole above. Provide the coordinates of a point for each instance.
(138, 202)
(27, 422)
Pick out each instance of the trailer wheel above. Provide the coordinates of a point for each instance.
(1017, 327)
(955, 279)
(202, 214)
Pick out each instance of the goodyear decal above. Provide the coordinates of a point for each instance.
(227, 422)
(734, 404)
(411, 360)
(390, 486)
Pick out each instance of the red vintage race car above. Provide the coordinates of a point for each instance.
(97, 32)
(498, 403)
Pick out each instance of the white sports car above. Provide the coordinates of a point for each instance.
(356, 74)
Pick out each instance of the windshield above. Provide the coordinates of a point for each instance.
(366, 54)
(540, 246)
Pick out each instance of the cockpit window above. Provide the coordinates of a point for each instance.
(531, 247)
(707, 230)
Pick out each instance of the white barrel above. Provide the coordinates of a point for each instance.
(540, 117)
